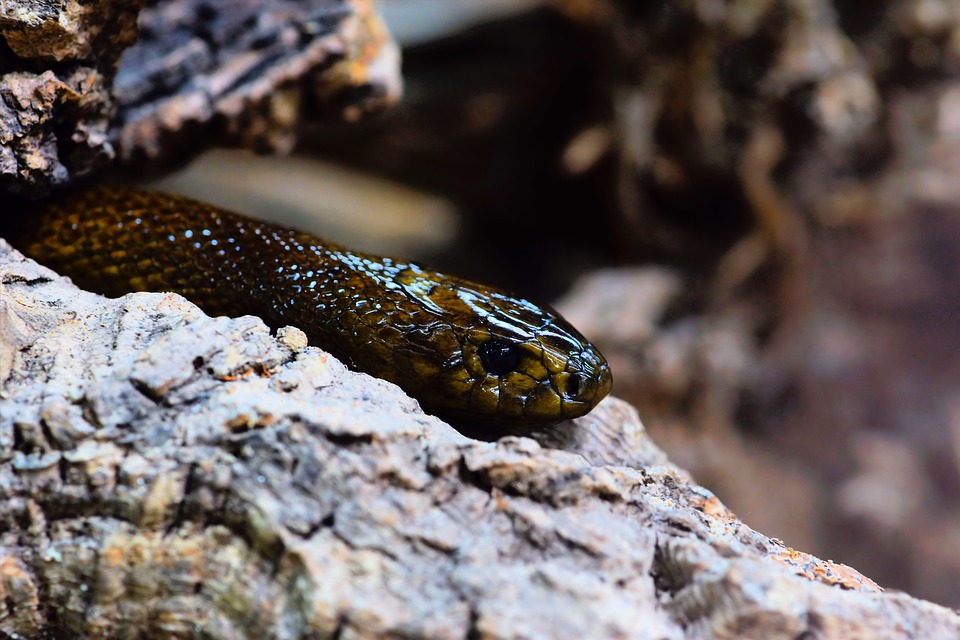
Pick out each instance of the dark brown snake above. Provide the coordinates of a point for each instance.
(464, 350)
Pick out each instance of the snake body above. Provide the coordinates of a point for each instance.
(464, 350)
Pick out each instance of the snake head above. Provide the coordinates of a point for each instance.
(507, 361)
(551, 374)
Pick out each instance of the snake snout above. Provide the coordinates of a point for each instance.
(584, 382)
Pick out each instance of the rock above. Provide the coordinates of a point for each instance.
(167, 474)
(98, 84)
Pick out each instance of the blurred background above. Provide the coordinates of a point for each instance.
(751, 206)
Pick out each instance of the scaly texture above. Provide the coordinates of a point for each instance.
(463, 349)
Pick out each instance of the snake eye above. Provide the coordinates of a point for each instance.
(498, 356)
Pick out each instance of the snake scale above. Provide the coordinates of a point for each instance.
(464, 350)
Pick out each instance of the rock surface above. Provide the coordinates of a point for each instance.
(142, 85)
(796, 161)
(167, 474)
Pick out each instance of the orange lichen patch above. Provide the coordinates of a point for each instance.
(826, 571)
(370, 58)
(243, 422)
(112, 555)
(19, 599)
(372, 38)
(498, 498)
(712, 506)
(260, 369)
(234, 377)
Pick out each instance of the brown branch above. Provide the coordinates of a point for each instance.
(86, 86)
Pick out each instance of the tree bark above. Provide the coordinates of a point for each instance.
(167, 474)
(94, 84)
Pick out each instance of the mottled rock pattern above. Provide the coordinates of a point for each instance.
(169, 474)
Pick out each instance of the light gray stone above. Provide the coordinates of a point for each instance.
(167, 474)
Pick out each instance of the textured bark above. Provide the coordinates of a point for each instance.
(167, 474)
(86, 86)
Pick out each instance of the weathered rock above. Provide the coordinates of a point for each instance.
(167, 474)
(98, 83)
(799, 159)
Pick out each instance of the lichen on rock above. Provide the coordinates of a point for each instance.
(165, 473)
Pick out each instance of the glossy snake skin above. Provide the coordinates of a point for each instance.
(464, 350)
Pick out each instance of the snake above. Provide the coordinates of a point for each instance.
(464, 350)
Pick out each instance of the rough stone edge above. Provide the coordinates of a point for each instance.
(707, 574)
